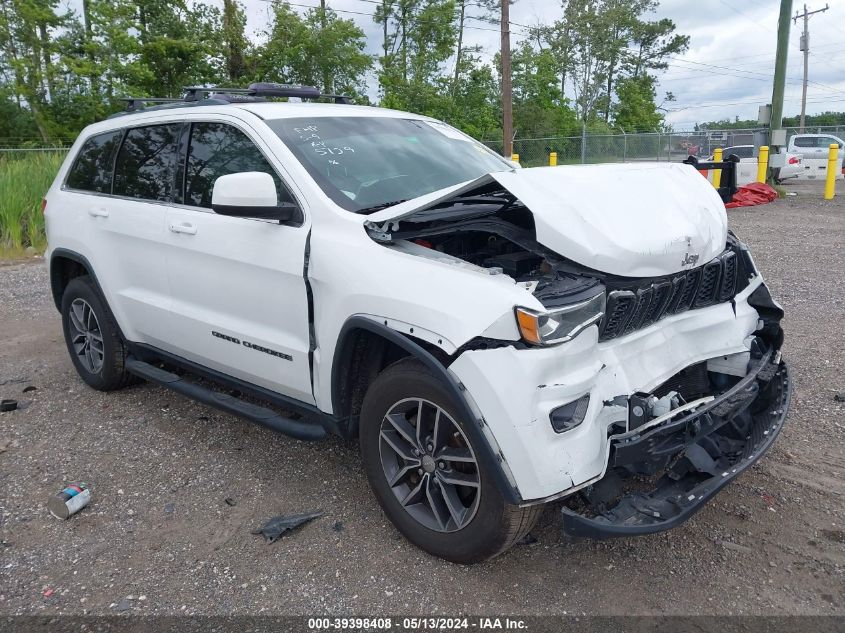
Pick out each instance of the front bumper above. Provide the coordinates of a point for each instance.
(706, 449)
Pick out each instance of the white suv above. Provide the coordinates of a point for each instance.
(496, 338)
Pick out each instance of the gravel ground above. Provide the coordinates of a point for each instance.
(160, 539)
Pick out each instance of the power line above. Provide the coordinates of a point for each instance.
(716, 104)
(805, 47)
(752, 72)
(371, 15)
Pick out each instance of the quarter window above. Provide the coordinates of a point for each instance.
(92, 170)
(217, 149)
(146, 163)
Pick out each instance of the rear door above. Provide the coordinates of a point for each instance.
(239, 301)
(125, 223)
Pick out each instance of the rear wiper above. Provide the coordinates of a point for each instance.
(379, 207)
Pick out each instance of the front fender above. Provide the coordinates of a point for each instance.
(479, 433)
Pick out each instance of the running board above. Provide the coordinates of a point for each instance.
(298, 429)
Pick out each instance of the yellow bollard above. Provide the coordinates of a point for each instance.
(763, 163)
(717, 173)
(553, 159)
(515, 158)
(832, 164)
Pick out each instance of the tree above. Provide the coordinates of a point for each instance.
(319, 49)
(636, 110)
(654, 42)
(234, 22)
(61, 69)
(539, 106)
(419, 36)
(598, 42)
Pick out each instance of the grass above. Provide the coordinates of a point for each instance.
(24, 179)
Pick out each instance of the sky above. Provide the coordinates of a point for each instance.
(726, 72)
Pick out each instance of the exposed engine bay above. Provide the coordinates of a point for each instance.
(491, 230)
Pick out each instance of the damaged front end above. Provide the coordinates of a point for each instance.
(663, 467)
(645, 371)
(681, 464)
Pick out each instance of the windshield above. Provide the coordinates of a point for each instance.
(368, 163)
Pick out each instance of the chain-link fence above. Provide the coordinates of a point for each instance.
(13, 153)
(650, 146)
(590, 147)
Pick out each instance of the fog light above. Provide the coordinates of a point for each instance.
(569, 415)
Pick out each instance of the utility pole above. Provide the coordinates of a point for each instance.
(780, 71)
(805, 48)
(507, 104)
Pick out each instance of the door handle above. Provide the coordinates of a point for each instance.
(184, 227)
(98, 212)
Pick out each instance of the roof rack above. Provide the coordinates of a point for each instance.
(135, 103)
(255, 93)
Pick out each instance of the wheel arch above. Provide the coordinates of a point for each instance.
(64, 266)
(365, 347)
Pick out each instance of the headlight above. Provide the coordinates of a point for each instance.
(560, 324)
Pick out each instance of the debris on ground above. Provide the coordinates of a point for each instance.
(752, 194)
(8, 405)
(528, 539)
(337, 526)
(279, 525)
(840, 397)
(230, 502)
(70, 500)
(29, 388)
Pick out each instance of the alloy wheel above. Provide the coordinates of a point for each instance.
(85, 335)
(429, 465)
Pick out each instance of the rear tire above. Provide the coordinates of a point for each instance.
(464, 522)
(93, 338)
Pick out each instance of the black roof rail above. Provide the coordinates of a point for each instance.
(134, 103)
(339, 98)
(216, 95)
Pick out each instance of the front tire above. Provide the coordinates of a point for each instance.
(92, 337)
(426, 474)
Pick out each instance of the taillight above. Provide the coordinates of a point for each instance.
(794, 160)
(43, 205)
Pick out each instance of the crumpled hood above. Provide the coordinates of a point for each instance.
(632, 219)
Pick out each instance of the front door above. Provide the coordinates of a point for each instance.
(239, 302)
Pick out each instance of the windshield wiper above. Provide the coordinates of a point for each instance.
(379, 207)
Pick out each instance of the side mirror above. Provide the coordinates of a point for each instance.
(251, 194)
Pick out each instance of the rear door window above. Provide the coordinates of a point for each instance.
(218, 149)
(92, 170)
(805, 141)
(146, 163)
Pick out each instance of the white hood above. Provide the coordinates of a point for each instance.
(632, 219)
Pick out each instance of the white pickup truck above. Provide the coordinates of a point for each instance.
(813, 149)
(747, 168)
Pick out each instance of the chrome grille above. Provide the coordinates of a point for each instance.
(646, 302)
